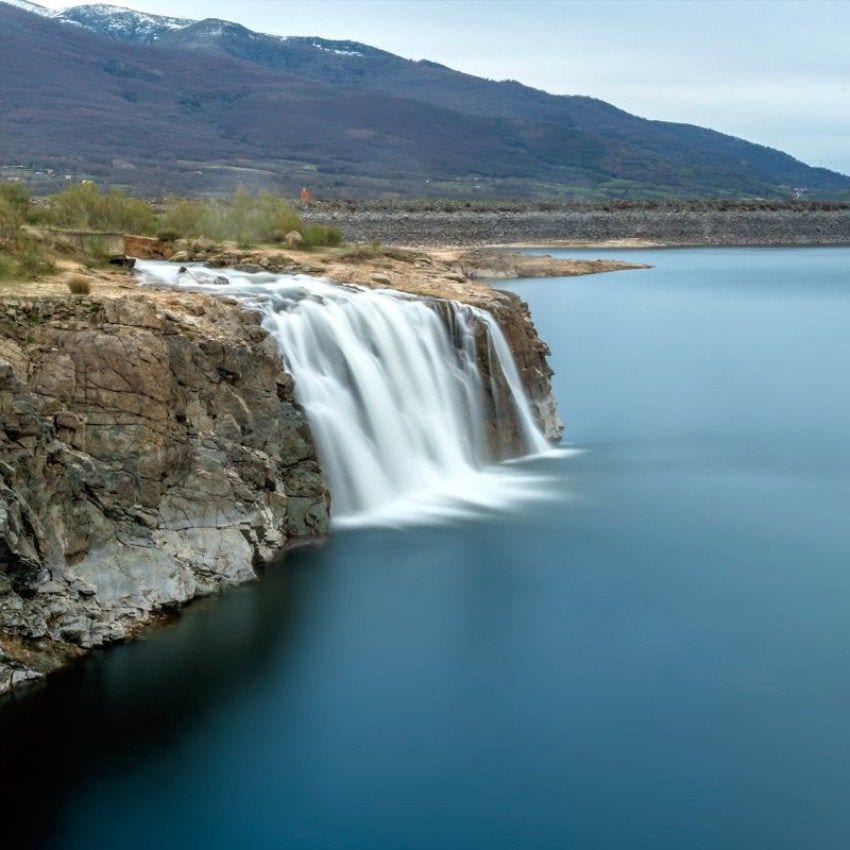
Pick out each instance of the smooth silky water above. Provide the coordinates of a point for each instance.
(391, 388)
(654, 655)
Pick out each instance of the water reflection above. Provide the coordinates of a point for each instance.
(100, 716)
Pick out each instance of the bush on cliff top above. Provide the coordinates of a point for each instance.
(250, 219)
(79, 285)
(15, 207)
(83, 206)
(318, 235)
(25, 259)
(181, 219)
(244, 218)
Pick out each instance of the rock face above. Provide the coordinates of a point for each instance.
(151, 451)
(530, 353)
(504, 430)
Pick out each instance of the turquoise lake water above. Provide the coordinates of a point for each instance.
(655, 654)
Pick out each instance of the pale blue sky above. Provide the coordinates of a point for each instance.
(775, 72)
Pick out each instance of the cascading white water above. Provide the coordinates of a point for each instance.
(391, 388)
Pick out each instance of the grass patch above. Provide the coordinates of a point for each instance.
(79, 285)
(320, 236)
(25, 259)
(365, 255)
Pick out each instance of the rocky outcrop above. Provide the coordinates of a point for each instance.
(151, 451)
(504, 265)
(147, 247)
(531, 356)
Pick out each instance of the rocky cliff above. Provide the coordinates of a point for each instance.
(152, 451)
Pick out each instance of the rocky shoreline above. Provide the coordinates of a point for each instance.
(662, 226)
(152, 449)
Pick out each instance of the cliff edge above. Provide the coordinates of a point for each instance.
(151, 451)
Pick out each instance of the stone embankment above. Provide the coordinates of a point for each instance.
(661, 226)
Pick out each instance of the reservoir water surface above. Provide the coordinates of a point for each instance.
(654, 652)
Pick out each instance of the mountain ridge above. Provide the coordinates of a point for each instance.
(342, 116)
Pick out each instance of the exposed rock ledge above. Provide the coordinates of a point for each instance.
(152, 451)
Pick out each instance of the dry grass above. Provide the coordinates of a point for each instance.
(79, 285)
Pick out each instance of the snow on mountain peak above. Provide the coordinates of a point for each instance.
(121, 22)
(34, 8)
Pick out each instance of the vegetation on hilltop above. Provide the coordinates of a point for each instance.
(205, 108)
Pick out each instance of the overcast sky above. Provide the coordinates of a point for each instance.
(775, 72)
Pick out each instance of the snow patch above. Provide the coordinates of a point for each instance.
(34, 8)
(336, 50)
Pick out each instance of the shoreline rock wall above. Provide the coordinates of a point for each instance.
(664, 226)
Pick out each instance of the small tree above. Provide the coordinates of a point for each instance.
(84, 206)
(14, 208)
(181, 217)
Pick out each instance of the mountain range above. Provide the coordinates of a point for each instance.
(161, 104)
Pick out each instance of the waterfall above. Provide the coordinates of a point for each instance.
(391, 385)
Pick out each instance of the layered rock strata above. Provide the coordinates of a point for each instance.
(151, 451)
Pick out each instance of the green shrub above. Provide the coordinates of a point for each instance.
(249, 219)
(83, 206)
(31, 260)
(7, 266)
(182, 218)
(14, 208)
(320, 235)
(97, 254)
(168, 235)
(275, 217)
(25, 258)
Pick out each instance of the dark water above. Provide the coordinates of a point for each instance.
(658, 657)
